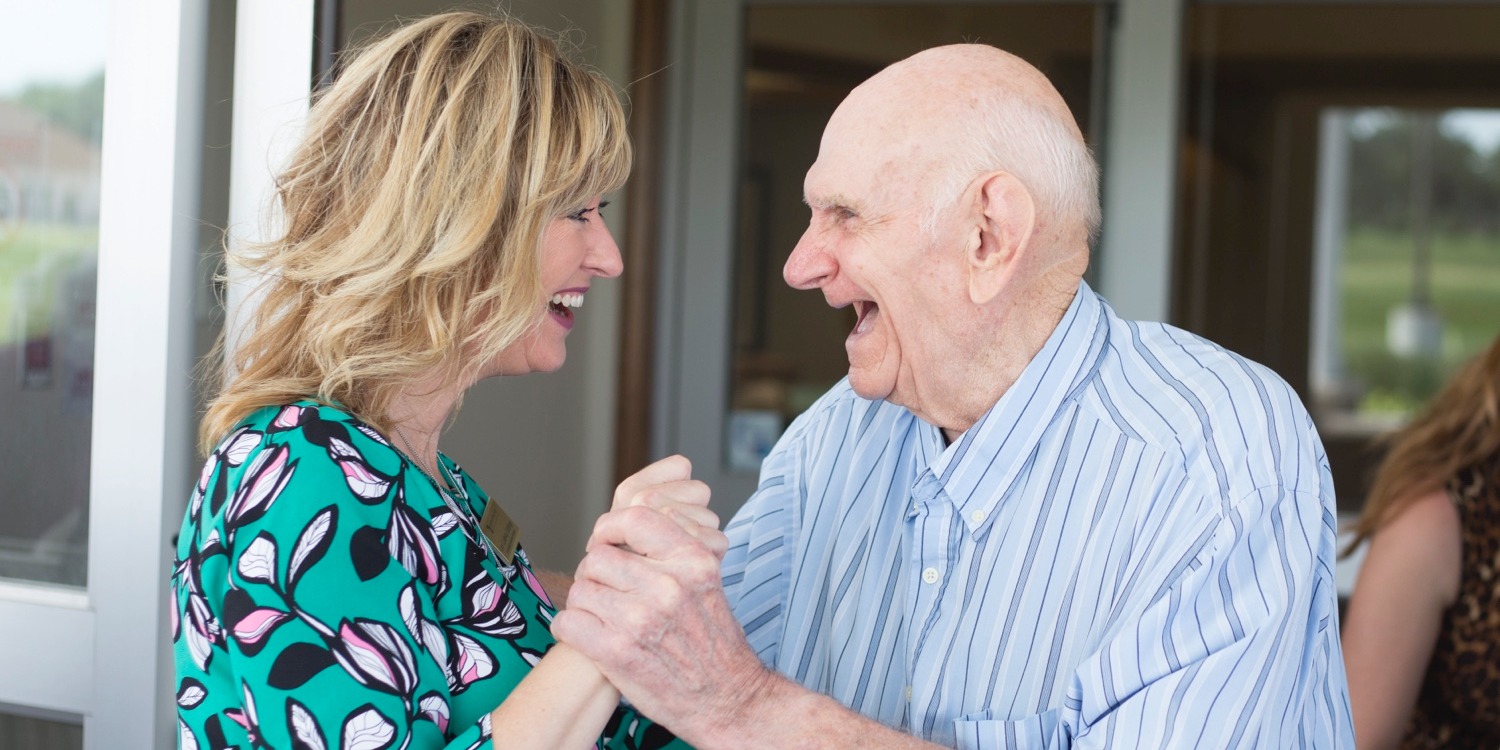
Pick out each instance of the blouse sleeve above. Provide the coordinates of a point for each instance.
(300, 627)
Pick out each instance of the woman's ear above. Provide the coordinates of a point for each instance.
(1007, 217)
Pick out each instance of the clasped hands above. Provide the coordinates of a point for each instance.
(648, 607)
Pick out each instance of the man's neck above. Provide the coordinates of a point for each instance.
(1021, 331)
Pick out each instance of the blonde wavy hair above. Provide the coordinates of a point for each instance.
(414, 211)
(1458, 430)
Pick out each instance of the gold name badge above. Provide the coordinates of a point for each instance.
(502, 532)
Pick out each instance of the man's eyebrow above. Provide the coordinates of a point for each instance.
(832, 203)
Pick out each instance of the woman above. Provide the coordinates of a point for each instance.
(1422, 635)
(339, 582)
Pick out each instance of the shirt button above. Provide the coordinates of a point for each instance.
(930, 575)
(977, 516)
(908, 693)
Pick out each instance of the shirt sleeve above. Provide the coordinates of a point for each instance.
(1234, 649)
(332, 640)
(757, 565)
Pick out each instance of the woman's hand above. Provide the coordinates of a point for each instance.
(667, 487)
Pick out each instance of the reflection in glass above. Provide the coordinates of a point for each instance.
(51, 116)
(788, 345)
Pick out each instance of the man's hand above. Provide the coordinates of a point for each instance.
(647, 606)
(668, 487)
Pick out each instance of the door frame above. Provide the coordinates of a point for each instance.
(96, 655)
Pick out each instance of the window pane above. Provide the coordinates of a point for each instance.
(788, 344)
(51, 114)
(1413, 282)
(1339, 190)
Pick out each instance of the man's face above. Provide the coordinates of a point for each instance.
(865, 247)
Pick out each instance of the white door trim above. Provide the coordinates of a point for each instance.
(1140, 158)
(273, 63)
(142, 429)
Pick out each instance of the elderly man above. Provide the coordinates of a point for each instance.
(1021, 521)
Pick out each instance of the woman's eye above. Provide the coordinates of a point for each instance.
(582, 214)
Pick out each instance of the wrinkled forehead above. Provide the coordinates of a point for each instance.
(876, 149)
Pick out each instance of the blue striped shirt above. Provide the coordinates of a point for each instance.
(1133, 548)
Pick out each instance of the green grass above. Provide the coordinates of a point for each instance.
(1377, 276)
(34, 256)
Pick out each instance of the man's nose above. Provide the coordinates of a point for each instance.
(810, 265)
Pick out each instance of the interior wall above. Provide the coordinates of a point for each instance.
(542, 445)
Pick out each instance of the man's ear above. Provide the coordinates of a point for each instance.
(1005, 219)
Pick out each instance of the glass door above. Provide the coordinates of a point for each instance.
(100, 110)
(52, 73)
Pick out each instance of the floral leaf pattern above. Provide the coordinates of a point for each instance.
(268, 473)
(289, 417)
(257, 625)
(376, 655)
(258, 561)
(433, 708)
(190, 693)
(320, 573)
(471, 661)
(367, 729)
(408, 607)
(536, 587)
(306, 734)
(492, 612)
(414, 544)
(435, 642)
(239, 445)
(186, 740)
(203, 631)
(443, 523)
(312, 543)
(367, 483)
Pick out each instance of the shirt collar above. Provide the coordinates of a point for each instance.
(978, 469)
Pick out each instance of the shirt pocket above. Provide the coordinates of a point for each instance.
(981, 731)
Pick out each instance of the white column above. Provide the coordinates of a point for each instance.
(1328, 250)
(1140, 164)
(273, 61)
(143, 360)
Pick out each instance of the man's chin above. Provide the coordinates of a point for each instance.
(869, 385)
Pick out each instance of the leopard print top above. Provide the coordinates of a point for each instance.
(1459, 706)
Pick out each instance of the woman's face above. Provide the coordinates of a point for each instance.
(576, 249)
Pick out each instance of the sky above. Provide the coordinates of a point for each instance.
(52, 41)
(1480, 126)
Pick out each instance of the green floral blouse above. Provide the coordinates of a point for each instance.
(327, 595)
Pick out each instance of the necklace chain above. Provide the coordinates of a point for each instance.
(417, 458)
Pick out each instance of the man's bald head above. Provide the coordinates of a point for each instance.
(948, 114)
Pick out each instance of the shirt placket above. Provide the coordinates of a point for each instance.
(930, 519)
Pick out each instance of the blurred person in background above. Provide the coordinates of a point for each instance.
(1422, 632)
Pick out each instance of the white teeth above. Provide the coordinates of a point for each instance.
(567, 300)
